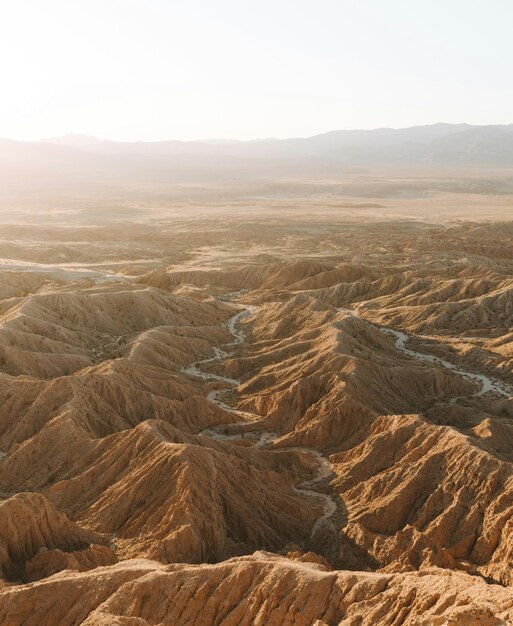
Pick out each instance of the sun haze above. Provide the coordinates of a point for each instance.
(164, 69)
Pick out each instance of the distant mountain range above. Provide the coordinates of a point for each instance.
(79, 159)
(437, 144)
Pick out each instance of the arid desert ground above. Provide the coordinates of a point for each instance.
(259, 404)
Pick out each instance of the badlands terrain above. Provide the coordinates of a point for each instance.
(259, 410)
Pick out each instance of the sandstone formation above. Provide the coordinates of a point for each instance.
(261, 589)
(38, 540)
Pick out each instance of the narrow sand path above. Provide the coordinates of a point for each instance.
(263, 438)
(484, 383)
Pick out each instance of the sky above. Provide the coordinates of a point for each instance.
(196, 69)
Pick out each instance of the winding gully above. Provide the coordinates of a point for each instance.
(263, 439)
(484, 384)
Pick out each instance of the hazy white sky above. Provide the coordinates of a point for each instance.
(191, 69)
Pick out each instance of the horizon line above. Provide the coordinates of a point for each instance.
(94, 138)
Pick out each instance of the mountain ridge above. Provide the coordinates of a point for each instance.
(435, 144)
(80, 161)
